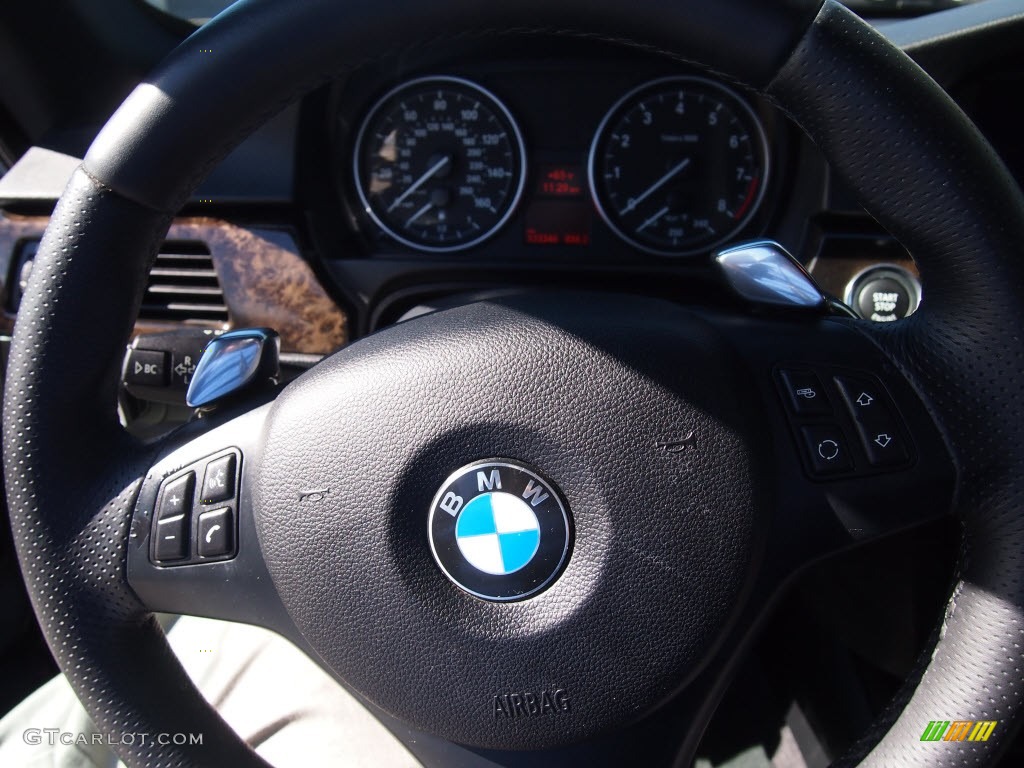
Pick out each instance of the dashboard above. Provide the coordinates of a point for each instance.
(591, 155)
(506, 163)
(552, 162)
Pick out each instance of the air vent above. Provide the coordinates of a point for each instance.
(183, 286)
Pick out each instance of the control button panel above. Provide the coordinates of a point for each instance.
(197, 523)
(866, 413)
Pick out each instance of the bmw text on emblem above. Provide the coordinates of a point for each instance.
(499, 530)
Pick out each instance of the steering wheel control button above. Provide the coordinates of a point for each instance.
(884, 294)
(146, 367)
(173, 519)
(827, 449)
(499, 530)
(215, 536)
(806, 395)
(176, 498)
(219, 480)
(878, 427)
(171, 539)
(191, 527)
(864, 398)
(884, 447)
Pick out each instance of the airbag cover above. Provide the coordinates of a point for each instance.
(631, 407)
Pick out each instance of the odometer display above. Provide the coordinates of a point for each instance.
(678, 166)
(439, 164)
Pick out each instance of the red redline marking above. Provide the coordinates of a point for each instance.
(749, 199)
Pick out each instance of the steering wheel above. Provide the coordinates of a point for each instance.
(668, 557)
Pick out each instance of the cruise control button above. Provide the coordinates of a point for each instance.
(216, 533)
(826, 448)
(219, 480)
(805, 394)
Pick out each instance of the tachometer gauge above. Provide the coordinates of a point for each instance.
(439, 164)
(678, 166)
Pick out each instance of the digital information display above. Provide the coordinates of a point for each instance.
(560, 181)
(560, 213)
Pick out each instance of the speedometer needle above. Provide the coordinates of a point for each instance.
(420, 181)
(653, 219)
(635, 201)
(418, 213)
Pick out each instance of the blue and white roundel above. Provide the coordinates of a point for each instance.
(499, 530)
(498, 533)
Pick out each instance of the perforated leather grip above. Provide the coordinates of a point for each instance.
(923, 170)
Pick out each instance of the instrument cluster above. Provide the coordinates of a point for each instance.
(640, 164)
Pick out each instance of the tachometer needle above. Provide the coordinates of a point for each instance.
(420, 181)
(652, 219)
(418, 213)
(634, 202)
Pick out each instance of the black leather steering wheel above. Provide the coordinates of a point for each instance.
(674, 555)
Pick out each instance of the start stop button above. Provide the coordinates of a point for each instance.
(884, 293)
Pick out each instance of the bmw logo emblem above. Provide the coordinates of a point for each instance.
(499, 530)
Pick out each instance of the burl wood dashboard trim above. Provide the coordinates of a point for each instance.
(265, 281)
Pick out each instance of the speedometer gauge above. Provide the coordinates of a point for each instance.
(678, 166)
(439, 164)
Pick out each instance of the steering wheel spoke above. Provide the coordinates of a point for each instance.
(193, 547)
(855, 454)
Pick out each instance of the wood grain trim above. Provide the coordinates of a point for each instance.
(265, 281)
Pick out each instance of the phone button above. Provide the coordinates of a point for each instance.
(216, 534)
